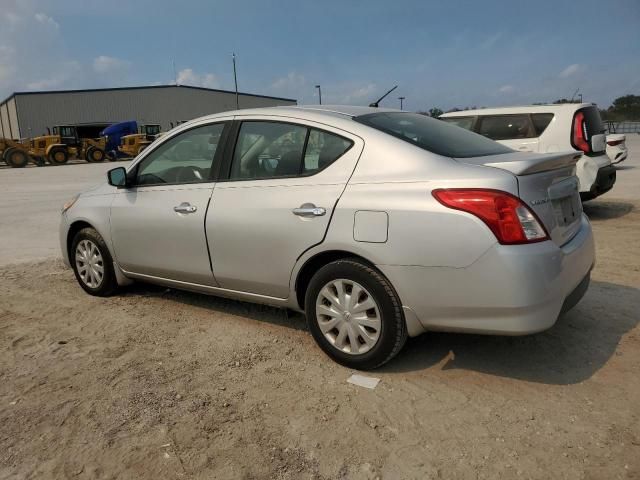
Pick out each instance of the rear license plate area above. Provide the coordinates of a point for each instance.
(567, 209)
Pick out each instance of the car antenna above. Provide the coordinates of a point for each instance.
(375, 104)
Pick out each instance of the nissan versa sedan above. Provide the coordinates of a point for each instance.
(378, 224)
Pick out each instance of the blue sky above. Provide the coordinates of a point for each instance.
(446, 54)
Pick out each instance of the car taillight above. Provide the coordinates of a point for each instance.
(613, 143)
(580, 133)
(507, 216)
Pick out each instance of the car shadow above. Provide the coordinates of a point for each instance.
(601, 210)
(253, 311)
(575, 348)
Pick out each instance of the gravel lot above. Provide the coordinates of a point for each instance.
(156, 383)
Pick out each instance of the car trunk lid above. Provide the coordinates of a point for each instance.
(547, 185)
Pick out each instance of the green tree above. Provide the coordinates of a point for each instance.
(435, 112)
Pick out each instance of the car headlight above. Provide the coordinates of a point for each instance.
(70, 203)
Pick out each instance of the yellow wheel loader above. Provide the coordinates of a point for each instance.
(65, 143)
(14, 153)
(132, 145)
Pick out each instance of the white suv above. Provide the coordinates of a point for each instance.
(545, 129)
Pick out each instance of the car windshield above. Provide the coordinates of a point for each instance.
(433, 135)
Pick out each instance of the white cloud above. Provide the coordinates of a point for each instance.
(188, 77)
(490, 41)
(12, 17)
(293, 80)
(507, 89)
(359, 94)
(571, 70)
(105, 64)
(69, 72)
(46, 20)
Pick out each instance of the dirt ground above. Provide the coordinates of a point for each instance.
(156, 383)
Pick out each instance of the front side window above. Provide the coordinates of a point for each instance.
(275, 150)
(432, 135)
(185, 158)
(462, 122)
(506, 127)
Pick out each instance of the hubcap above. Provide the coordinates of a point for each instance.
(348, 316)
(89, 263)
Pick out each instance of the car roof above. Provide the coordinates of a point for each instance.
(308, 112)
(549, 107)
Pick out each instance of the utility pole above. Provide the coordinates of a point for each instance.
(401, 100)
(235, 79)
(319, 94)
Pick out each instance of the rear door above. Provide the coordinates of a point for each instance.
(515, 131)
(284, 179)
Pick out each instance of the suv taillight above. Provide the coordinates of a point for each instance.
(507, 216)
(579, 133)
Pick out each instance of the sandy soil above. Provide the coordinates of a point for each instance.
(156, 383)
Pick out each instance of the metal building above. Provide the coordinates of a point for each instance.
(27, 114)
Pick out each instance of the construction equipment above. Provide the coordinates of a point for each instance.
(132, 145)
(14, 153)
(65, 143)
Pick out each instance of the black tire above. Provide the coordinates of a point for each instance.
(393, 332)
(95, 155)
(108, 284)
(16, 158)
(58, 156)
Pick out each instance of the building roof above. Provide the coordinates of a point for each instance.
(141, 88)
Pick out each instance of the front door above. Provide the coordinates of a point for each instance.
(157, 225)
(283, 182)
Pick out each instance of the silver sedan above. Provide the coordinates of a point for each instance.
(378, 224)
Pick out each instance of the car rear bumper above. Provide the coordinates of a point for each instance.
(604, 182)
(509, 290)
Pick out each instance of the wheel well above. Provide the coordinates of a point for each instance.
(73, 229)
(316, 263)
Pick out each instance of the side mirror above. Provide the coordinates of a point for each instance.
(117, 177)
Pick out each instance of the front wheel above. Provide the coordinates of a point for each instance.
(92, 263)
(355, 315)
(95, 155)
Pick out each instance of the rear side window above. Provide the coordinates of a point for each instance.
(462, 122)
(433, 135)
(323, 149)
(506, 127)
(592, 121)
(540, 122)
(275, 150)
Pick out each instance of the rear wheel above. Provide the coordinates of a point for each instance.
(16, 158)
(92, 263)
(58, 156)
(355, 315)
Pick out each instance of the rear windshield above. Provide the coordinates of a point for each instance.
(433, 135)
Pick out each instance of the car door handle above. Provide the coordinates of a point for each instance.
(309, 210)
(185, 207)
